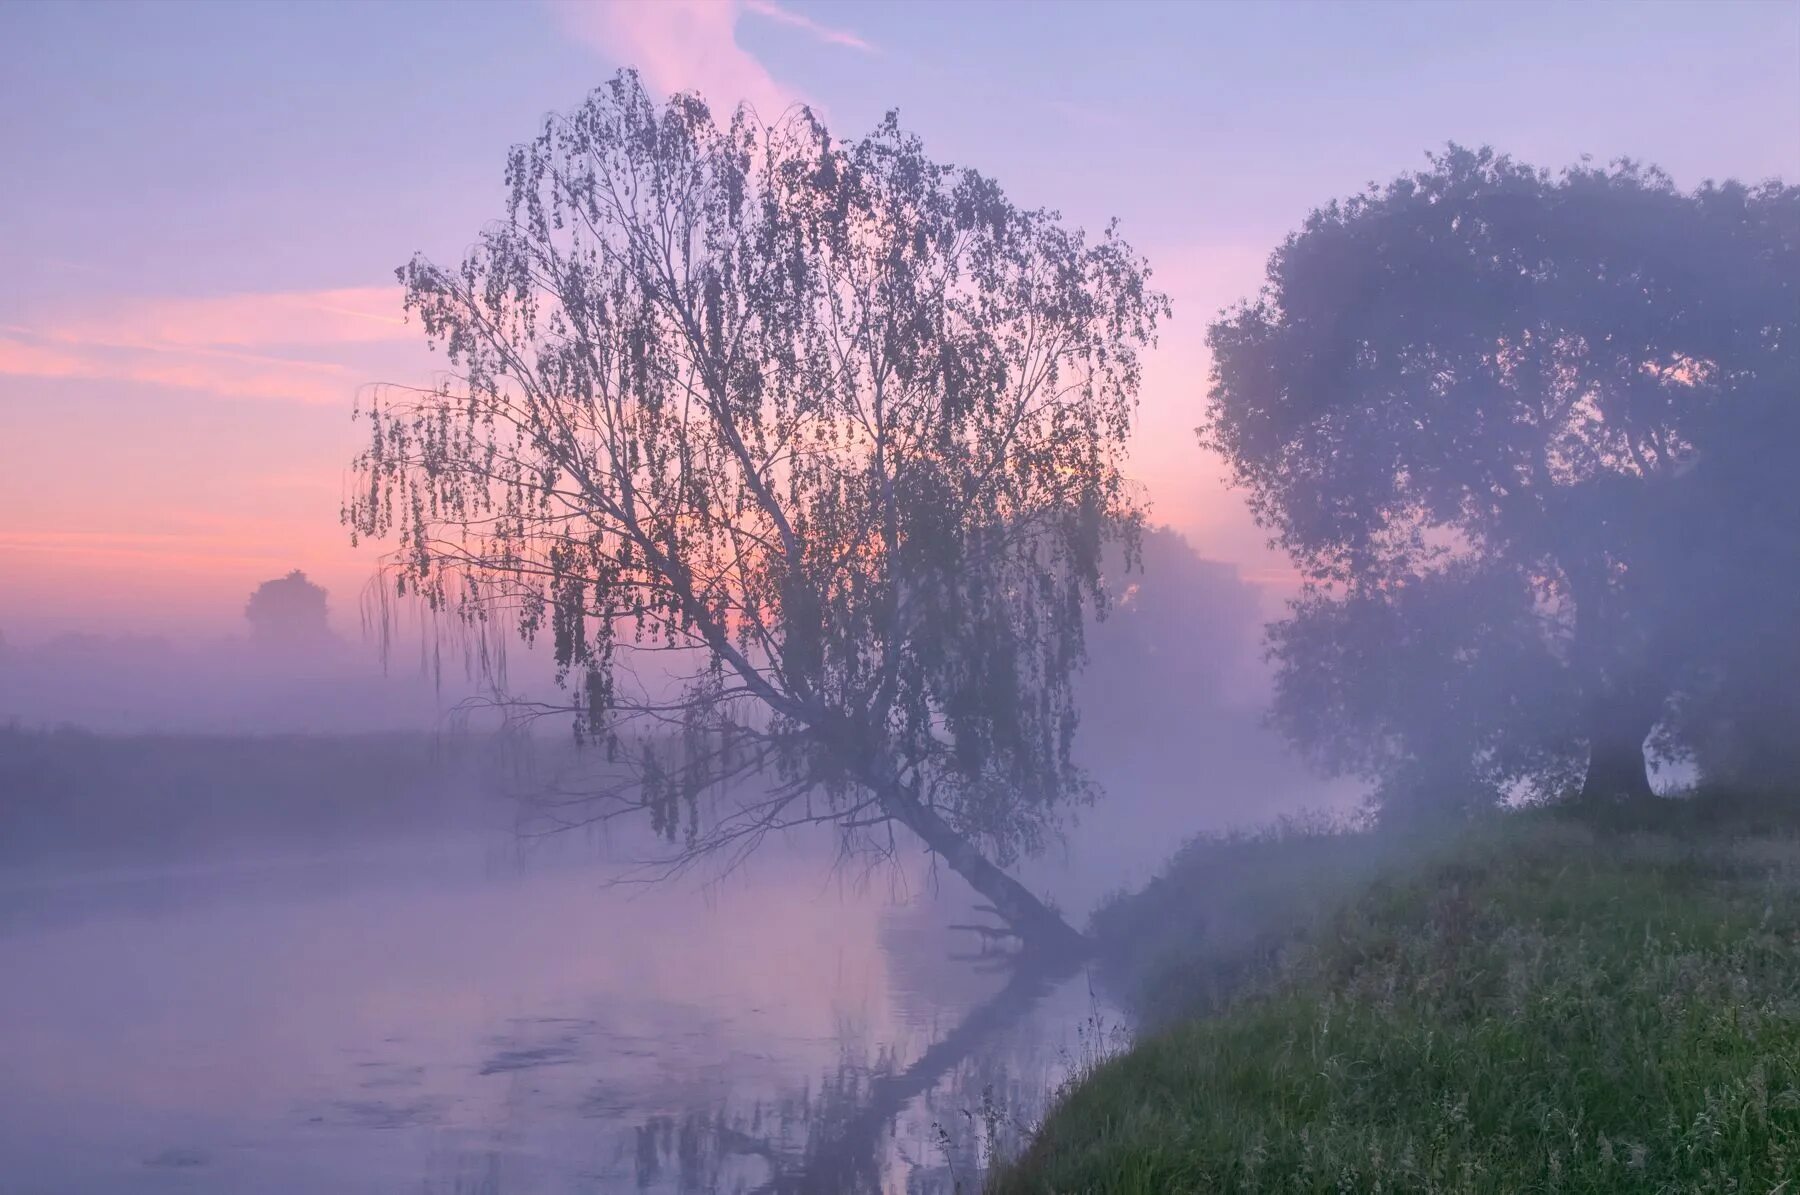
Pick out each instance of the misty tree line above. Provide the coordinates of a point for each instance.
(805, 457)
(1529, 439)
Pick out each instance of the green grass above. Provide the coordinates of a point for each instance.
(1542, 1002)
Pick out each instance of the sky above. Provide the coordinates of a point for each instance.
(202, 206)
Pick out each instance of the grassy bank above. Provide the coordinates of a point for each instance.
(1541, 1002)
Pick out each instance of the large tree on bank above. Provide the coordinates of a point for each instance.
(1489, 410)
(803, 453)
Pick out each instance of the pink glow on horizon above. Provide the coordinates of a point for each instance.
(191, 540)
(164, 448)
(189, 493)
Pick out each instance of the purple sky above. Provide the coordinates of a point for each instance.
(203, 205)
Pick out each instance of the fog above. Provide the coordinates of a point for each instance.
(1175, 668)
(353, 957)
(821, 567)
(443, 1016)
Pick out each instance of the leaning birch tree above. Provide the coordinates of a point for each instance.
(802, 454)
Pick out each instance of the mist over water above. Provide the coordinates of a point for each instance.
(446, 1010)
(809, 523)
(435, 1017)
(250, 950)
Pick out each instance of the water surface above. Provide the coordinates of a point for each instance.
(447, 1015)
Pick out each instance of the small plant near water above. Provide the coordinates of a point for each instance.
(996, 1128)
(1536, 1003)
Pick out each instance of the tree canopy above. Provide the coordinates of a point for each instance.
(1490, 412)
(802, 454)
(288, 611)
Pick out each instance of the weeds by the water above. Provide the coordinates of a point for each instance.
(995, 1130)
(1539, 1004)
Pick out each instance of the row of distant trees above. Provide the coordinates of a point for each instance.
(805, 457)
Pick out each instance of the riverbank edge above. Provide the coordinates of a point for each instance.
(1545, 999)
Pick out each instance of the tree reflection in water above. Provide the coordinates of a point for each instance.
(982, 1086)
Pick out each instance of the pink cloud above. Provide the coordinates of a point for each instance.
(210, 344)
(679, 45)
(825, 33)
(348, 315)
(232, 375)
(36, 360)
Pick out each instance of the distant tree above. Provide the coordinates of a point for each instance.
(831, 430)
(1476, 406)
(289, 611)
(1179, 638)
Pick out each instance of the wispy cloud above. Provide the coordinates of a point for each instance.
(691, 45)
(346, 315)
(286, 346)
(825, 33)
(679, 45)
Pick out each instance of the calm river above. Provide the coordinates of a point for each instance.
(455, 1016)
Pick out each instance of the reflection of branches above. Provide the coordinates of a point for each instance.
(712, 796)
(842, 1155)
(847, 1160)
